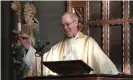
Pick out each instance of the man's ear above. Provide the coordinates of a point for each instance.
(77, 22)
(80, 26)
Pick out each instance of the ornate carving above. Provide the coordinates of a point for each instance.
(17, 7)
(80, 13)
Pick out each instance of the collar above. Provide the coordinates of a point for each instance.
(76, 35)
(79, 35)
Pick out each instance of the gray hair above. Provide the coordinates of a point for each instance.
(72, 15)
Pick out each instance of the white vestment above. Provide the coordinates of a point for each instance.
(81, 47)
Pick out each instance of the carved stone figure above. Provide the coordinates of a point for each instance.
(30, 30)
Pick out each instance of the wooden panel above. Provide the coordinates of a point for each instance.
(131, 9)
(69, 6)
(78, 3)
(116, 21)
(105, 45)
(115, 9)
(131, 48)
(95, 10)
(95, 32)
(115, 47)
(125, 41)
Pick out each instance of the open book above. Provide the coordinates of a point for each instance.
(68, 67)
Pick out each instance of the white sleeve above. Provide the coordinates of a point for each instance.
(103, 64)
(30, 57)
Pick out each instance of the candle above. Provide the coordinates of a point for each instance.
(19, 26)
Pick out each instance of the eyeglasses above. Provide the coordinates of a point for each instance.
(68, 24)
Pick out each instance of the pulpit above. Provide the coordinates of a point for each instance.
(76, 70)
(82, 77)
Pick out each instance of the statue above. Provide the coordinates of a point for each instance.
(30, 30)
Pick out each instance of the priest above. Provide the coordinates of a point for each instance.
(76, 46)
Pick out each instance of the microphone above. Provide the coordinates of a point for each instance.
(47, 43)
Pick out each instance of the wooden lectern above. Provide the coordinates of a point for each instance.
(76, 70)
(83, 77)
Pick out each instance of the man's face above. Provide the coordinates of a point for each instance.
(69, 26)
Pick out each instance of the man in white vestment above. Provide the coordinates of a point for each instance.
(76, 46)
